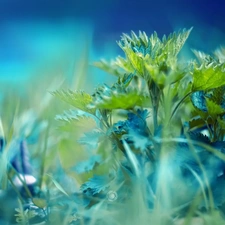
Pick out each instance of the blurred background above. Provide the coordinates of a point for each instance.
(61, 37)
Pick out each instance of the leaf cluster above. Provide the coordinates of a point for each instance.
(160, 116)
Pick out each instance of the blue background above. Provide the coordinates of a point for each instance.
(50, 37)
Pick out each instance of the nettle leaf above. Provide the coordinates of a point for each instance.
(78, 99)
(125, 80)
(208, 76)
(109, 67)
(218, 96)
(72, 115)
(124, 64)
(220, 54)
(139, 141)
(153, 46)
(119, 97)
(134, 129)
(175, 41)
(91, 139)
(150, 52)
(95, 185)
(136, 60)
(199, 137)
(198, 100)
(213, 108)
(196, 122)
(135, 121)
(202, 57)
(88, 165)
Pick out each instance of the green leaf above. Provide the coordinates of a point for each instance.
(96, 184)
(150, 57)
(209, 73)
(136, 60)
(78, 99)
(198, 100)
(76, 115)
(218, 96)
(140, 142)
(111, 67)
(119, 96)
(115, 98)
(220, 54)
(213, 108)
(196, 122)
(125, 80)
(91, 139)
(208, 77)
(124, 64)
(87, 165)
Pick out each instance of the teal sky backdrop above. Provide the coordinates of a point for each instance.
(50, 37)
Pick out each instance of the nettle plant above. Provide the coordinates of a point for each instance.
(158, 141)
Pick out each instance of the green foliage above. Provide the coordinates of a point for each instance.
(137, 116)
(209, 73)
(78, 99)
(118, 97)
(148, 57)
(151, 145)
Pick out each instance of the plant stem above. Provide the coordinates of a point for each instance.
(178, 105)
(154, 92)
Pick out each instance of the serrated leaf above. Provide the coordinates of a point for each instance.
(76, 115)
(134, 129)
(196, 122)
(91, 139)
(158, 56)
(220, 54)
(218, 96)
(87, 165)
(124, 64)
(199, 137)
(136, 60)
(78, 99)
(140, 142)
(208, 77)
(109, 67)
(213, 108)
(119, 97)
(201, 56)
(198, 100)
(96, 184)
(125, 80)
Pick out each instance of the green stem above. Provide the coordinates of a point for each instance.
(178, 105)
(154, 92)
(215, 131)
